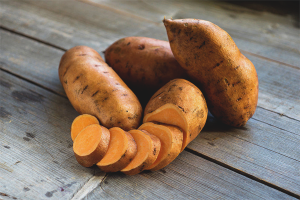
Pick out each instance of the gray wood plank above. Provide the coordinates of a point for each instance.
(262, 150)
(272, 36)
(37, 160)
(188, 177)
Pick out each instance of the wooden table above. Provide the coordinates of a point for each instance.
(258, 161)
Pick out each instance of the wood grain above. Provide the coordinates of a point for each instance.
(188, 177)
(37, 160)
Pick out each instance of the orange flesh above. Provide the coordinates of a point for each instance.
(143, 148)
(87, 140)
(165, 139)
(169, 114)
(80, 123)
(118, 145)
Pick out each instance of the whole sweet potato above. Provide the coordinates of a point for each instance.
(226, 77)
(145, 64)
(94, 88)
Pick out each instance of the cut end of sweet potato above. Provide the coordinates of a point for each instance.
(171, 143)
(148, 147)
(91, 144)
(172, 115)
(122, 149)
(80, 123)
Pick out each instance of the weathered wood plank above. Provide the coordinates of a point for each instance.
(188, 177)
(37, 161)
(262, 150)
(56, 22)
(272, 36)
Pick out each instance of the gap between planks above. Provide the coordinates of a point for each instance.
(241, 172)
(95, 180)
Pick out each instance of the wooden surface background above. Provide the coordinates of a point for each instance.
(258, 161)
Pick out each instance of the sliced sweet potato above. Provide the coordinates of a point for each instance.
(171, 142)
(81, 122)
(179, 103)
(91, 144)
(148, 147)
(121, 150)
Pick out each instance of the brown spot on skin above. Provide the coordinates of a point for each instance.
(181, 109)
(97, 65)
(82, 54)
(154, 151)
(239, 99)
(199, 47)
(66, 82)
(141, 47)
(84, 89)
(77, 77)
(236, 67)
(128, 43)
(95, 93)
(124, 94)
(105, 72)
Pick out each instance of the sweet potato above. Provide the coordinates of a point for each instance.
(148, 147)
(94, 88)
(80, 122)
(121, 150)
(91, 144)
(179, 103)
(144, 64)
(171, 142)
(226, 77)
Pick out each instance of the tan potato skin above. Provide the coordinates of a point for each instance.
(214, 62)
(188, 98)
(144, 64)
(98, 153)
(125, 159)
(94, 88)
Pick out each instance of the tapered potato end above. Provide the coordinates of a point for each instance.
(80, 122)
(121, 150)
(171, 143)
(148, 147)
(91, 144)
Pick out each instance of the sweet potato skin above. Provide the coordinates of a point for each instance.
(143, 63)
(188, 98)
(94, 88)
(126, 157)
(226, 77)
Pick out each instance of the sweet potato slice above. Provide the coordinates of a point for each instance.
(91, 144)
(121, 150)
(179, 103)
(148, 147)
(171, 142)
(81, 122)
